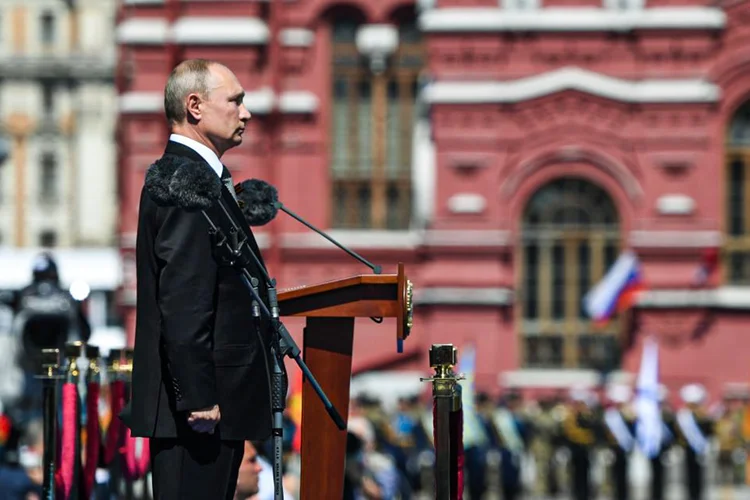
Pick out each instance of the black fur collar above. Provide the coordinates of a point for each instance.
(174, 180)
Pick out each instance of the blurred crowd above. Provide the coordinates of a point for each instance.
(566, 445)
(580, 443)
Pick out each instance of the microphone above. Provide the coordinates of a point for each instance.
(177, 181)
(260, 204)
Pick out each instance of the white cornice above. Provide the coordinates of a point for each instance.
(259, 102)
(141, 102)
(570, 19)
(220, 31)
(561, 379)
(459, 296)
(572, 78)
(466, 238)
(142, 31)
(193, 30)
(675, 239)
(296, 37)
(726, 297)
(395, 240)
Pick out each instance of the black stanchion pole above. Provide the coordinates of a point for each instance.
(49, 376)
(446, 396)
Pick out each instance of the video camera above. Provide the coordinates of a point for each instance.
(47, 316)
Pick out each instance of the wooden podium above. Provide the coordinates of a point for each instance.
(330, 309)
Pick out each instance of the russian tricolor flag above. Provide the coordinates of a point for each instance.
(616, 291)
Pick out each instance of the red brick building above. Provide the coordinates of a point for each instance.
(505, 150)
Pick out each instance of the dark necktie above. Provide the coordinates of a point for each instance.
(226, 178)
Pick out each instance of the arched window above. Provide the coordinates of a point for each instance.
(372, 119)
(737, 227)
(570, 236)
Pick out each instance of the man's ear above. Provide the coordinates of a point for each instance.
(193, 106)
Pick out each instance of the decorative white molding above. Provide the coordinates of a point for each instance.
(624, 5)
(220, 31)
(142, 31)
(298, 101)
(520, 4)
(463, 296)
(558, 379)
(128, 240)
(572, 78)
(675, 204)
(296, 37)
(467, 203)
(259, 102)
(726, 297)
(467, 238)
(397, 240)
(141, 102)
(570, 19)
(675, 239)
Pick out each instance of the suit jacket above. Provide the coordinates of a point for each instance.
(195, 343)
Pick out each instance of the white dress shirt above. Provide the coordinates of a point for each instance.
(202, 150)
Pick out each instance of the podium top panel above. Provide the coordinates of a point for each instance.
(355, 296)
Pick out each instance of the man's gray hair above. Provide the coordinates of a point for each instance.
(188, 77)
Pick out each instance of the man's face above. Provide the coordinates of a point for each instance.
(247, 479)
(223, 115)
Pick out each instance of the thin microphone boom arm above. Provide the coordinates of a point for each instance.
(375, 268)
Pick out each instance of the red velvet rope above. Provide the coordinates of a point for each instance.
(66, 465)
(93, 438)
(135, 467)
(116, 403)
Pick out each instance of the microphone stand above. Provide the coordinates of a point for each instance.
(282, 343)
(375, 268)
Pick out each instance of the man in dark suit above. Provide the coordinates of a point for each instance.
(200, 368)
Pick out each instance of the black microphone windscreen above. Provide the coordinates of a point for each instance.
(259, 201)
(178, 181)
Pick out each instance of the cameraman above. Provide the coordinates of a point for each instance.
(47, 316)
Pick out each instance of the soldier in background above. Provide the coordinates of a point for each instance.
(731, 443)
(667, 439)
(545, 437)
(619, 428)
(694, 429)
(580, 430)
(513, 432)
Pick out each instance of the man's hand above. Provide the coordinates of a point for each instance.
(205, 420)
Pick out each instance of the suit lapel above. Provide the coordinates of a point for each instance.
(229, 201)
(239, 217)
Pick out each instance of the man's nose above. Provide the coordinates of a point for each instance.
(244, 114)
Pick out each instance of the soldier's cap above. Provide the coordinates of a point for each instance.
(693, 393)
(619, 393)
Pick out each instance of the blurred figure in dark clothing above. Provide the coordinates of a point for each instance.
(23, 481)
(514, 436)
